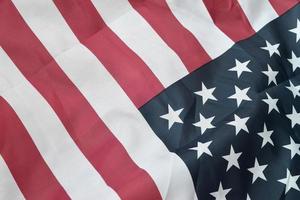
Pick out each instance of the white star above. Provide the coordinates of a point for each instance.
(294, 117)
(172, 116)
(240, 67)
(266, 136)
(206, 93)
(294, 89)
(290, 181)
(248, 197)
(232, 159)
(271, 48)
(221, 193)
(202, 148)
(296, 30)
(272, 103)
(204, 123)
(295, 61)
(239, 124)
(271, 75)
(258, 171)
(240, 95)
(293, 147)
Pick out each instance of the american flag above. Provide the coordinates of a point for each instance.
(150, 99)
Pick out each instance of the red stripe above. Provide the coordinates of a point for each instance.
(160, 17)
(90, 134)
(23, 159)
(281, 6)
(230, 18)
(124, 65)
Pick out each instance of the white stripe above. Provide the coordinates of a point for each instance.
(28, 9)
(65, 160)
(194, 16)
(258, 12)
(8, 187)
(142, 39)
(120, 115)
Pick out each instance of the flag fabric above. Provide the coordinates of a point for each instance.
(150, 99)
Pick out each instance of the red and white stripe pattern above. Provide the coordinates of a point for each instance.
(75, 72)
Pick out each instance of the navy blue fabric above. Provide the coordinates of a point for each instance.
(208, 171)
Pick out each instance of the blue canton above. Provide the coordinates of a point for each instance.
(235, 121)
